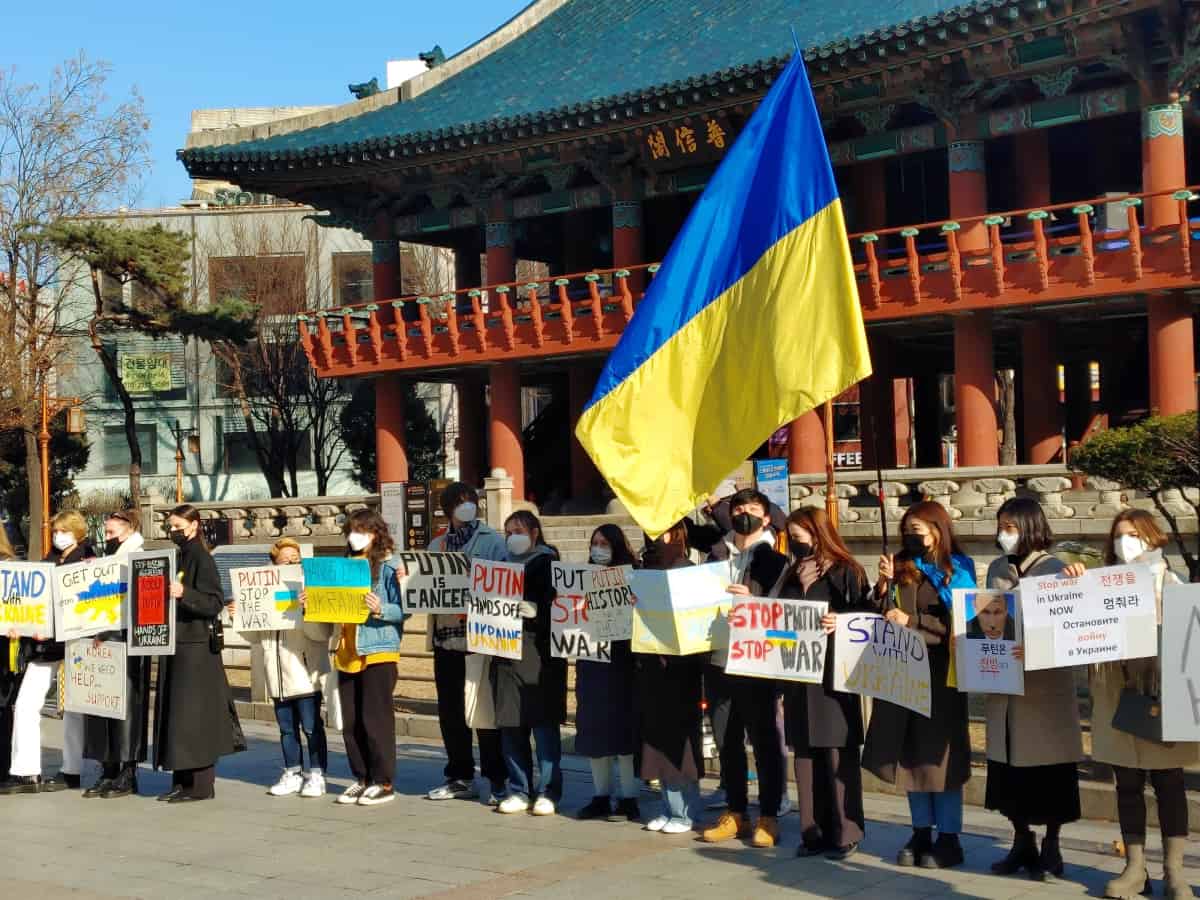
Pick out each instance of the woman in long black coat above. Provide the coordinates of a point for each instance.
(194, 718)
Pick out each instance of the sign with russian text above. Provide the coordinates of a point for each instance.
(149, 610)
(987, 630)
(95, 678)
(1181, 662)
(494, 624)
(26, 599)
(436, 582)
(1105, 615)
(780, 639)
(681, 611)
(571, 634)
(336, 589)
(609, 600)
(877, 658)
(146, 373)
(267, 598)
(89, 598)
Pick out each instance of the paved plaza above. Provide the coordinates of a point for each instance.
(248, 844)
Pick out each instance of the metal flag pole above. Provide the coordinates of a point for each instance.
(831, 501)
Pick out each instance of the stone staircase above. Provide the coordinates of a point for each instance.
(572, 534)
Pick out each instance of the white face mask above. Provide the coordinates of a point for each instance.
(1008, 541)
(601, 556)
(518, 544)
(358, 541)
(63, 540)
(1129, 547)
(465, 512)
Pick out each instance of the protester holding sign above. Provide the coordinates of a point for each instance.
(1033, 740)
(1123, 729)
(10, 676)
(930, 758)
(825, 727)
(604, 714)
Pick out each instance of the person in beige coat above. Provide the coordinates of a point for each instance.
(1034, 741)
(1136, 538)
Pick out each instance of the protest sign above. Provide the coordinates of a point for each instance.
(436, 582)
(494, 614)
(89, 598)
(336, 589)
(681, 611)
(26, 599)
(1181, 662)
(267, 598)
(95, 678)
(609, 600)
(771, 478)
(777, 639)
(149, 610)
(876, 658)
(1105, 615)
(987, 628)
(571, 636)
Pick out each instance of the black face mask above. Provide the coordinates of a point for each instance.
(800, 551)
(178, 538)
(744, 524)
(110, 546)
(914, 545)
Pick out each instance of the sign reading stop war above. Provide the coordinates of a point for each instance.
(90, 597)
(571, 635)
(877, 658)
(777, 639)
(494, 612)
(436, 582)
(1181, 662)
(149, 611)
(26, 599)
(336, 589)
(609, 600)
(95, 676)
(267, 598)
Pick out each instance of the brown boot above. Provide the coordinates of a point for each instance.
(766, 835)
(1175, 882)
(731, 825)
(1134, 880)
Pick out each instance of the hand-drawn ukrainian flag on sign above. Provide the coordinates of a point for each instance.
(752, 321)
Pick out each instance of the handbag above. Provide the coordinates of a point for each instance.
(216, 636)
(1139, 715)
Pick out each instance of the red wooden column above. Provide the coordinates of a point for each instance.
(1039, 393)
(501, 254)
(470, 431)
(968, 191)
(1032, 150)
(385, 261)
(504, 425)
(584, 477)
(806, 445)
(975, 391)
(391, 452)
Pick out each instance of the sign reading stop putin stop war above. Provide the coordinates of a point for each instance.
(26, 599)
(494, 612)
(149, 610)
(267, 598)
(780, 639)
(436, 582)
(877, 658)
(95, 678)
(89, 598)
(336, 589)
(1105, 615)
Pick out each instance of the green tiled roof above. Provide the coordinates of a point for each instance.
(592, 53)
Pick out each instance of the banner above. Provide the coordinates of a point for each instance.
(267, 598)
(26, 599)
(876, 658)
(149, 610)
(780, 639)
(571, 635)
(681, 611)
(336, 589)
(1181, 662)
(89, 597)
(1105, 615)
(609, 600)
(494, 614)
(987, 628)
(436, 582)
(771, 478)
(95, 678)
(146, 373)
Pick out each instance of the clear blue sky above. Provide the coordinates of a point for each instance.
(218, 53)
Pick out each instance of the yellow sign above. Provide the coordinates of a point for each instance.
(336, 604)
(146, 373)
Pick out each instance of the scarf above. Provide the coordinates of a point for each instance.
(457, 538)
(961, 576)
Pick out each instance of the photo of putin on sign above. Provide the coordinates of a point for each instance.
(994, 618)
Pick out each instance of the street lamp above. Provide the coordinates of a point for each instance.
(193, 441)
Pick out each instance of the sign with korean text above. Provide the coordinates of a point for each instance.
(494, 624)
(780, 639)
(987, 630)
(571, 634)
(681, 611)
(436, 582)
(877, 658)
(1181, 662)
(149, 609)
(267, 598)
(26, 599)
(89, 598)
(95, 678)
(610, 601)
(336, 589)
(1105, 615)
(771, 478)
(146, 373)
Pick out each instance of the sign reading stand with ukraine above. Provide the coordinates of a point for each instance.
(752, 321)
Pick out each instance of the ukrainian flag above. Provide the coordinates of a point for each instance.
(752, 321)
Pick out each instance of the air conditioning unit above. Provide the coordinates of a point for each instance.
(1112, 216)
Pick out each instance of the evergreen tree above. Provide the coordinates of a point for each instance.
(422, 437)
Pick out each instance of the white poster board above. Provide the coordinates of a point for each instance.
(571, 634)
(987, 629)
(876, 658)
(27, 599)
(494, 625)
(89, 597)
(391, 509)
(1181, 662)
(436, 582)
(267, 598)
(610, 601)
(780, 639)
(95, 678)
(681, 611)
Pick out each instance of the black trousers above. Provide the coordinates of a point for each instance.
(6, 732)
(740, 707)
(369, 722)
(829, 788)
(449, 673)
(1169, 790)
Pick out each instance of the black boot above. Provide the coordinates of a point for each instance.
(918, 845)
(599, 808)
(946, 854)
(1051, 861)
(626, 811)
(1023, 855)
(98, 789)
(123, 785)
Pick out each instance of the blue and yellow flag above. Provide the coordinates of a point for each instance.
(752, 321)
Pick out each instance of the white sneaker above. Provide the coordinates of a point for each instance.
(677, 826)
(543, 807)
(785, 806)
(314, 784)
(376, 794)
(290, 782)
(513, 803)
(454, 790)
(658, 823)
(352, 793)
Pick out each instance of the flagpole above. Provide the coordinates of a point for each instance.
(831, 501)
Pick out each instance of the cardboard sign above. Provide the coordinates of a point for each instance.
(609, 601)
(987, 628)
(267, 598)
(494, 624)
(876, 658)
(89, 598)
(95, 678)
(571, 634)
(1181, 662)
(436, 582)
(26, 599)
(336, 589)
(681, 611)
(1105, 615)
(780, 639)
(149, 609)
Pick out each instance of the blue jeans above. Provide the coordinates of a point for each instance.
(304, 713)
(519, 760)
(942, 808)
(682, 799)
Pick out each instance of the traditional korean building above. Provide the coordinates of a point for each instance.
(1015, 175)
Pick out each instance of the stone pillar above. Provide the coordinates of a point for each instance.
(470, 432)
(1170, 329)
(501, 253)
(1039, 393)
(1032, 151)
(975, 391)
(627, 243)
(1164, 165)
(391, 453)
(968, 191)
(581, 381)
(806, 445)
(504, 425)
